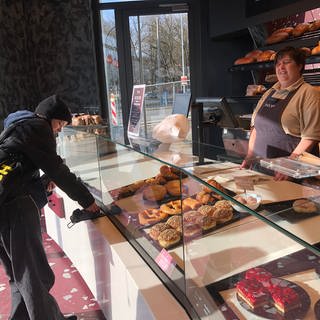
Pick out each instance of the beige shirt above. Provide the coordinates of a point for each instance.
(301, 117)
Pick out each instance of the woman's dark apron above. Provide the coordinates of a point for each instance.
(271, 140)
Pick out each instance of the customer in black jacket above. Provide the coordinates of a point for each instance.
(21, 249)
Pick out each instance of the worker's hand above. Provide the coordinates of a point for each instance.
(93, 207)
(247, 163)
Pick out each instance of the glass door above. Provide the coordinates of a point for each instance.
(146, 46)
(159, 49)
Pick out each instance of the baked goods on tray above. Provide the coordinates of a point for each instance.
(154, 192)
(171, 207)
(157, 229)
(223, 211)
(174, 187)
(304, 206)
(175, 222)
(169, 237)
(149, 216)
(259, 288)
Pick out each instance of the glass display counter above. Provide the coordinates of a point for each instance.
(229, 243)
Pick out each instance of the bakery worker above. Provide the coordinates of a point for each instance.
(21, 249)
(286, 121)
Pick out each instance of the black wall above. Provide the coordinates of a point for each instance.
(46, 48)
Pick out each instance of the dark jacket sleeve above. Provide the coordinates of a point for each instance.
(37, 143)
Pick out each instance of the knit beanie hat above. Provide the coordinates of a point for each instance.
(54, 108)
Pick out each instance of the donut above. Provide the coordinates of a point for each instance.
(148, 216)
(277, 37)
(171, 207)
(265, 55)
(157, 229)
(174, 187)
(204, 197)
(169, 237)
(190, 204)
(192, 217)
(300, 29)
(154, 192)
(244, 60)
(223, 211)
(206, 210)
(207, 222)
(304, 206)
(315, 25)
(191, 230)
(175, 222)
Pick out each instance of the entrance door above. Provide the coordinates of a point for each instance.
(145, 46)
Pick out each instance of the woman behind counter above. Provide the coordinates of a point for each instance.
(286, 121)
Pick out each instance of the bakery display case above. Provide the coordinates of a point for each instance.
(227, 243)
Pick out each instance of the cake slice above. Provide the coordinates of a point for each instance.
(285, 299)
(252, 292)
(260, 274)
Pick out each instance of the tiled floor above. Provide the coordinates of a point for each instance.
(70, 290)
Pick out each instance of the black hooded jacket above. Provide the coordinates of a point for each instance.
(34, 139)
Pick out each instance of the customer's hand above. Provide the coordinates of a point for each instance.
(93, 207)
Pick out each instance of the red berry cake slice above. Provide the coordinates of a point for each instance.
(259, 274)
(252, 292)
(285, 299)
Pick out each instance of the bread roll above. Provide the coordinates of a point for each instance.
(253, 54)
(265, 55)
(169, 237)
(304, 206)
(300, 29)
(316, 50)
(154, 192)
(285, 29)
(277, 37)
(315, 25)
(307, 51)
(244, 60)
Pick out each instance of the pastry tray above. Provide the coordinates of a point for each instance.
(291, 167)
(300, 261)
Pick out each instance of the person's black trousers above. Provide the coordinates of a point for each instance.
(25, 262)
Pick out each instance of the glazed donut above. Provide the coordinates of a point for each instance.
(157, 229)
(175, 222)
(315, 25)
(174, 187)
(304, 206)
(300, 29)
(169, 237)
(277, 37)
(171, 207)
(265, 55)
(204, 197)
(244, 60)
(149, 216)
(154, 192)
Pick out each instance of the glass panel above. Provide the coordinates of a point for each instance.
(160, 59)
(225, 222)
(111, 64)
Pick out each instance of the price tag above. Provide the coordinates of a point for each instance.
(244, 182)
(165, 261)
